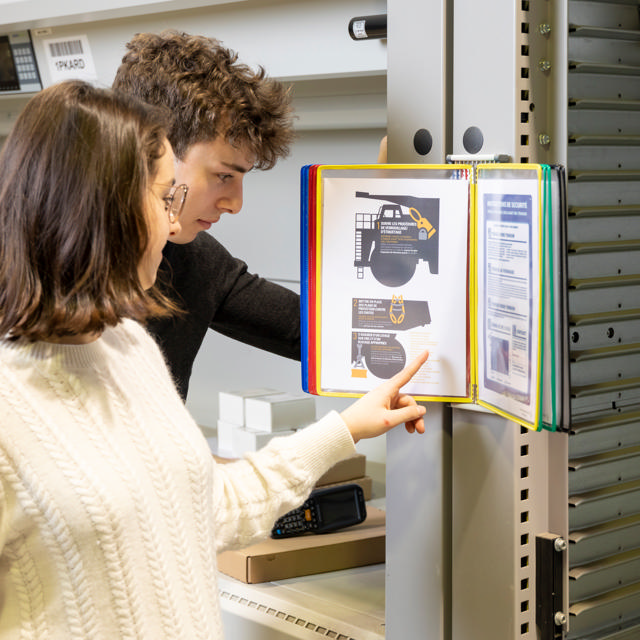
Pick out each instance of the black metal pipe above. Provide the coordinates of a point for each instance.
(368, 27)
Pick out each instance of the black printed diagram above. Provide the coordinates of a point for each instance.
(392, 240)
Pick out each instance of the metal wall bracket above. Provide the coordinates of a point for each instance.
(477, 158)
(550, 617)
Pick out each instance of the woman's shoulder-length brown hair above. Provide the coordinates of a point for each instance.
(74, 175)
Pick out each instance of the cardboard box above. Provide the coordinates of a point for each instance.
(279, 412)
(356, 546)
(231, 403)
(366, 482)
(225, 437)
(244, 439)
(346, 469)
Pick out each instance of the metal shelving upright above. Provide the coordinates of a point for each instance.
(553, 82)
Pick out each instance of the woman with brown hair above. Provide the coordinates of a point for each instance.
(111, 506)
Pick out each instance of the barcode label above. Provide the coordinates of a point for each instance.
(70, 58)
(67, 48)
(360, 29)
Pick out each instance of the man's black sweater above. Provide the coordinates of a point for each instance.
(216, 291)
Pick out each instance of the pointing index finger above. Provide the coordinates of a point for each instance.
(402, 377)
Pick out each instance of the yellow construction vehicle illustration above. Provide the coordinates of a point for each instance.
(391, 241)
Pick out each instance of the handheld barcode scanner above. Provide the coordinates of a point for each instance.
(325, 510)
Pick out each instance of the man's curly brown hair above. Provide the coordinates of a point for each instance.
(208, 94)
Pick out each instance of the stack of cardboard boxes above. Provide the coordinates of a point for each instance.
(248, 419)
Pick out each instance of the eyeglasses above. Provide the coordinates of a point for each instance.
(174, 202)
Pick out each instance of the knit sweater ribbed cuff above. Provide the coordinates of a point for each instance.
(324, 443)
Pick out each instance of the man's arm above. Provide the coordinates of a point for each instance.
(263, 314)
(216, 291)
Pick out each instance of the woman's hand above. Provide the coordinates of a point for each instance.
(385, 407)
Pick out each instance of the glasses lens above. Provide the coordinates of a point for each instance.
(179, 196)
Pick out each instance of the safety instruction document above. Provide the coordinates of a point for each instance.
(451, 258)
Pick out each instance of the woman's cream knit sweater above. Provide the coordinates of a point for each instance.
(111, 506)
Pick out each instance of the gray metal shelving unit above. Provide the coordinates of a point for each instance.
(553, 82)
(603, 161)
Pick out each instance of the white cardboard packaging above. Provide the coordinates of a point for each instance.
(245, 440)
(279, 412)
(231, 404)
(225, 437)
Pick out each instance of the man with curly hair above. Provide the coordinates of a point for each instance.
(226, 119)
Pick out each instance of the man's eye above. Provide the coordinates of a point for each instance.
(224, 176)
(167, 201)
